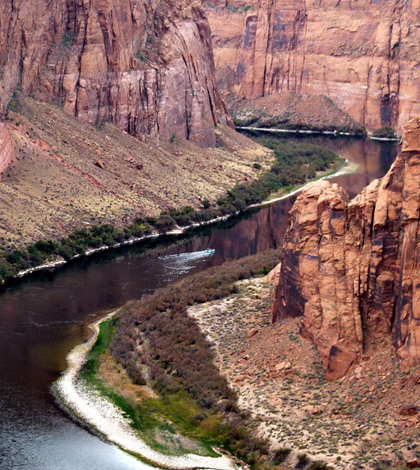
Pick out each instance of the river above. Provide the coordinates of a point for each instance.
(44, 315)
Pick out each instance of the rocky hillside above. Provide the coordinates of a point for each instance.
(145, 65)
(109, 110)
(350, 267)
(361, 55)
(6, 148)
(66, 174)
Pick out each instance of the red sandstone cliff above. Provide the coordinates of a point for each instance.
(146, 66)
(363, 55)
(351, 268)
(6, 148)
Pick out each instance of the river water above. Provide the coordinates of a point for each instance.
(44, 315)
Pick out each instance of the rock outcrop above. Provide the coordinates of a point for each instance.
(351, 267)
(363, 55)
(6, 148)
(145, 65)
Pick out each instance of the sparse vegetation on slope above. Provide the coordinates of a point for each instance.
(294, 112)
(159, 344)
(279, 378)
(295, 164)
(67, 175)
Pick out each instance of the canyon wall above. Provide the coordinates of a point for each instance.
(144, 65)
(351, 267)
(363, 55)
(6, 148)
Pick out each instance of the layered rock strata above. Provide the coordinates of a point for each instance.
(6, 148)
(363, 55)
(67, 175)
(146, 66)
(351, 267)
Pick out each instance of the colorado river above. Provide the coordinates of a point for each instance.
(45, 315)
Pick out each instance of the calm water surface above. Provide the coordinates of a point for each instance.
(43, 316)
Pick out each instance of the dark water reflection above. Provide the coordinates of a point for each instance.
(42, 317)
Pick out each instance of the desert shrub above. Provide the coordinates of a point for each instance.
(164, 222)
(280, 455)
(179, 357)
(385, 132)
(318, 465)
(303, 461)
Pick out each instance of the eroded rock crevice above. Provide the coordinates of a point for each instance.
(350, 267)
(117, 61)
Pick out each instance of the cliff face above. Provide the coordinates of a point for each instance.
(363, 55)
(6, 148)
(351, 267)
(144, 65)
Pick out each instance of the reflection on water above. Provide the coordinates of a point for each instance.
(43, 316)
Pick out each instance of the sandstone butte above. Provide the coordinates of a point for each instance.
(146, 66)
(362, 55)
(351, 267)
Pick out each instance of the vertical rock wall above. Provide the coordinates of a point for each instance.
(363, 55)
(146, 66)
(351, 268)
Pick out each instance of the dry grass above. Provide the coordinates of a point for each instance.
(115, 377)
(53, 186)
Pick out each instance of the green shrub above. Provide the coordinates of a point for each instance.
(280, 455)
(180, 359)
(303, 461)
(318, 465)
(385, 133)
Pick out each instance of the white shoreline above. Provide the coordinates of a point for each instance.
(347, 169)
(296, 131)
(310, 132)
(92, 408)
(91, 251)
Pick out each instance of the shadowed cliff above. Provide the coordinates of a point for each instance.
(361, 55)
(145, 66)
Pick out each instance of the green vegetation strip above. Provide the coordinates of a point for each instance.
(194, 401)
(158, 420)
(158, 344)
(296, 164)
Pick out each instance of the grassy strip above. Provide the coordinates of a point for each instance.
(353, 129)
(385, 133)
(156, 332)
(159, 420)
(295, 164)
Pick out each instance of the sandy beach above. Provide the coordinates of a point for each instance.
(87, 405)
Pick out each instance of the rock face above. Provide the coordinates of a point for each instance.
(145, 65)
(6, 148)
(363, 55)
(351, 267)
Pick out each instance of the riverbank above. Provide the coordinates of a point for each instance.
(300, 131)
(334, 133)
(346, 168)
(170, 394)
(87, 405)
(351, 424)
